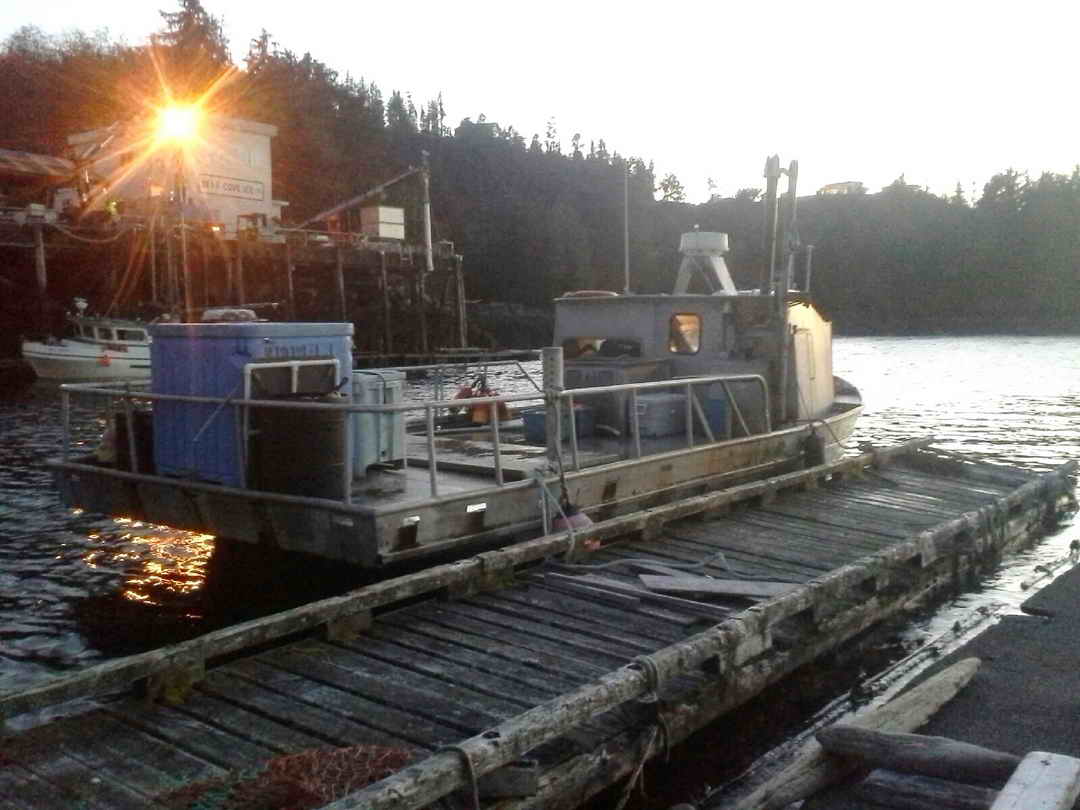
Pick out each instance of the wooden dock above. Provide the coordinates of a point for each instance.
(548, 670)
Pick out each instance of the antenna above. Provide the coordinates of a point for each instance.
(626, 228)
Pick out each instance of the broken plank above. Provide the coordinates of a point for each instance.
(687, 605)
(689, 583)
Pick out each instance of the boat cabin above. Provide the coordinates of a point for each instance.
(109, 331)
(612, 339)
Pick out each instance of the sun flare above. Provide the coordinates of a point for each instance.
(178, 123)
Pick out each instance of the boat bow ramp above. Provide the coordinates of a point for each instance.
(536, 675)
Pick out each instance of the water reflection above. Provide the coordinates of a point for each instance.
(171, 564)
(156, 597)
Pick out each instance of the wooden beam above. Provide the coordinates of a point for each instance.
(916, 753)
(339, 280)
(884, 788)
(241, 291)
(384, 287)
(289, 293)
(42, 278)
(422, 309)
(1042, 782)
(462, 309)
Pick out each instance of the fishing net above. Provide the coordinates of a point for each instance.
(308, 779)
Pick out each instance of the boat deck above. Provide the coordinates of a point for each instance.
(542, 662)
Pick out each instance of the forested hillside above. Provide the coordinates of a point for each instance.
(538, 214)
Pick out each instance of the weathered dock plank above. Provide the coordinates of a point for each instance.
(411, 652)
(365, 712)
(187, 734)
(516, 659)
(655, 626)
(503, 667)
(330, 668)
(244, 681)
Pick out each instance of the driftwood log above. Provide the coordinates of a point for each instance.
(907, 792)
(914, 753)
(812, 769)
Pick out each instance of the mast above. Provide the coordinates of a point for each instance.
(772, 201)
(626, 228)
(781, 290)
(780, 271)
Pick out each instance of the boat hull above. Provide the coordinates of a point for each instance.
(398, 532)
(70, 361)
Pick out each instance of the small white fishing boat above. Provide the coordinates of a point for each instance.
(98, 348)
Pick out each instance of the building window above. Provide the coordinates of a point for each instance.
(685, 333)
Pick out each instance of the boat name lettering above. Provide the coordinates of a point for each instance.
(231, 187)
(309, 350)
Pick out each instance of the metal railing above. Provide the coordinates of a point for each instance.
(459, 369)
(131, 393)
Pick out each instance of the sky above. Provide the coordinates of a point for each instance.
(940, 92)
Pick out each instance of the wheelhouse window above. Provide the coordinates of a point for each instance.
(576, 347)
(104, 334)
(130, 334)
(583, 348)
(684, 334)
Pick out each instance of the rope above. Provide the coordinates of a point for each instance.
(652, 675)
(569, 555)
(662, 724)
(828, 427)
(470, 770)
(70, 233)
(635, 777)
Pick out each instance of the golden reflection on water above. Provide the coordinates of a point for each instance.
(163, 565)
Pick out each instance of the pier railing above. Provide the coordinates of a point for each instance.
(123, 400)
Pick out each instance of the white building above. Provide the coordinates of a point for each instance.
(222, 168)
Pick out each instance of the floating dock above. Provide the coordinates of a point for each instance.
(536, 675)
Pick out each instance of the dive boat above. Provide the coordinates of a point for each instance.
(262, 433)
(98, 348)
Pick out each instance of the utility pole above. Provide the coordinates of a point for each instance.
(42, 278)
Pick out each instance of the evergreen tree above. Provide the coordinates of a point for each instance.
(671, 190)
(193, 49)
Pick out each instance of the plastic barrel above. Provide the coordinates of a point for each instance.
(299, 452)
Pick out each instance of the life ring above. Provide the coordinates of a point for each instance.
(480, 414)
(104, 360)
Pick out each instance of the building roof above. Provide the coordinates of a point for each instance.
(27, 164)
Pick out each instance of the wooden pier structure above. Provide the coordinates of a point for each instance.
(536, 675)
